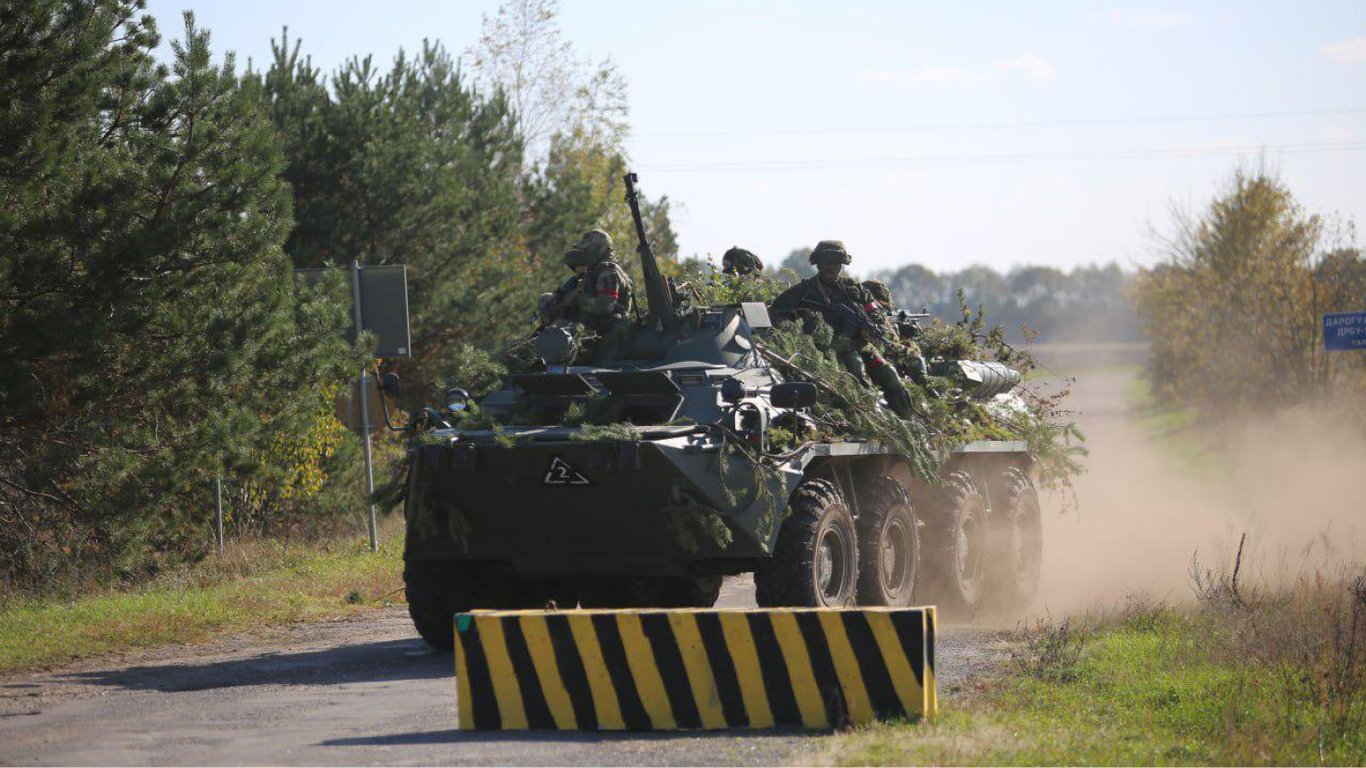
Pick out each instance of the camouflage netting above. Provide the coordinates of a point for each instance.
(945, 416)
(847, 409)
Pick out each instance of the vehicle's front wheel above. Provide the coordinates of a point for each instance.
(889, 544)
(956, 538)
(815, 561)
(437, 590)
(1017, 542)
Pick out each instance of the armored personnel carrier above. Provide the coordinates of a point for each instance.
(675, 482)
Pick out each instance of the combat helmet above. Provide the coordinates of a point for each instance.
(595, 246)
(829, 250)
(879, 291)
(738, 261)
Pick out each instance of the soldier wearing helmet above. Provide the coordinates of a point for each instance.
(828, 285)
(830, 295)
(598, 295)
(739, 262)
(901, 348)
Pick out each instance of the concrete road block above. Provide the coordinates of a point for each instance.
(656, 669)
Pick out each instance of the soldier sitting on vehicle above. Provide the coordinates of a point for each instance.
(741, 263)
(598, 296)
(741, 279)
(901, 346)
(852, 312)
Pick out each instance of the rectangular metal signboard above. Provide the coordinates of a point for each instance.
(1344, 331)
(383, 305)
(384, 308)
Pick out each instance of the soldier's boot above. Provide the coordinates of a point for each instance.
(911, 363)
(886, 378)
(919, 371)
(852, 361)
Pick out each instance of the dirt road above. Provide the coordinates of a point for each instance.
(356, 692)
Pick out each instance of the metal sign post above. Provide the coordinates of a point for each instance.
(379, 299)
(365, 414)
(218, 511)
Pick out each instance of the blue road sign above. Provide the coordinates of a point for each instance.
(1344, 330)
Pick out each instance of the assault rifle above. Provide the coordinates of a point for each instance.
(847, 319)
(908, 323)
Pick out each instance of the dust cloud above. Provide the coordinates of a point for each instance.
(1294, 483)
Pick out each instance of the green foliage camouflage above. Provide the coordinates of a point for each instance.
(848, 409)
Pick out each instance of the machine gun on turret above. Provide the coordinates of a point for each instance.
(663, 314)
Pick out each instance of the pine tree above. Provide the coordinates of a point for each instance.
(151, 333)
(408, 166)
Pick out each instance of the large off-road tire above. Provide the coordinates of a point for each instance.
(815, 561)
(889, 544)
(956, 539)
(1016, 542)
(437, 590)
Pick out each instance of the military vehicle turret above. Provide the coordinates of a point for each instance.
(645, 483)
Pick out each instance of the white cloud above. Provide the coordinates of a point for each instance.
(1164, 19)
(1347, 51)
(1031, 66)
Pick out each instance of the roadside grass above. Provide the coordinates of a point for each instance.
(1237, 678)
(253, 585)
(1175, 428)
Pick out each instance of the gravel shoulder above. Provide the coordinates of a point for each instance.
(359, 691)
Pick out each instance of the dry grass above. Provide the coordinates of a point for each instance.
(1308, 638)
(1274, 674)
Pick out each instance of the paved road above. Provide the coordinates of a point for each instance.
(356, 692)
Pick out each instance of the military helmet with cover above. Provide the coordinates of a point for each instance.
(879, 291)
(828, 251)
(595, 246)
(739, 261)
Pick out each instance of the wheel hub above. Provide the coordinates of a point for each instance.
(893, 555)
(967, 549)
(825, 565)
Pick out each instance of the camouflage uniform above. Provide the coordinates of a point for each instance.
(901, 347)
(805, 301)
(598, 295)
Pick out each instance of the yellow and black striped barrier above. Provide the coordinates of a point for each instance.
(667, 669)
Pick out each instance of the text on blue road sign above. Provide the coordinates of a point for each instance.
(1344, 330)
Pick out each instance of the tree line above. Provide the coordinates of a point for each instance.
(1234, 310)
(1092, 303)
(151, 216)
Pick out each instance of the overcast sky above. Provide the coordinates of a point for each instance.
(944, 133)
